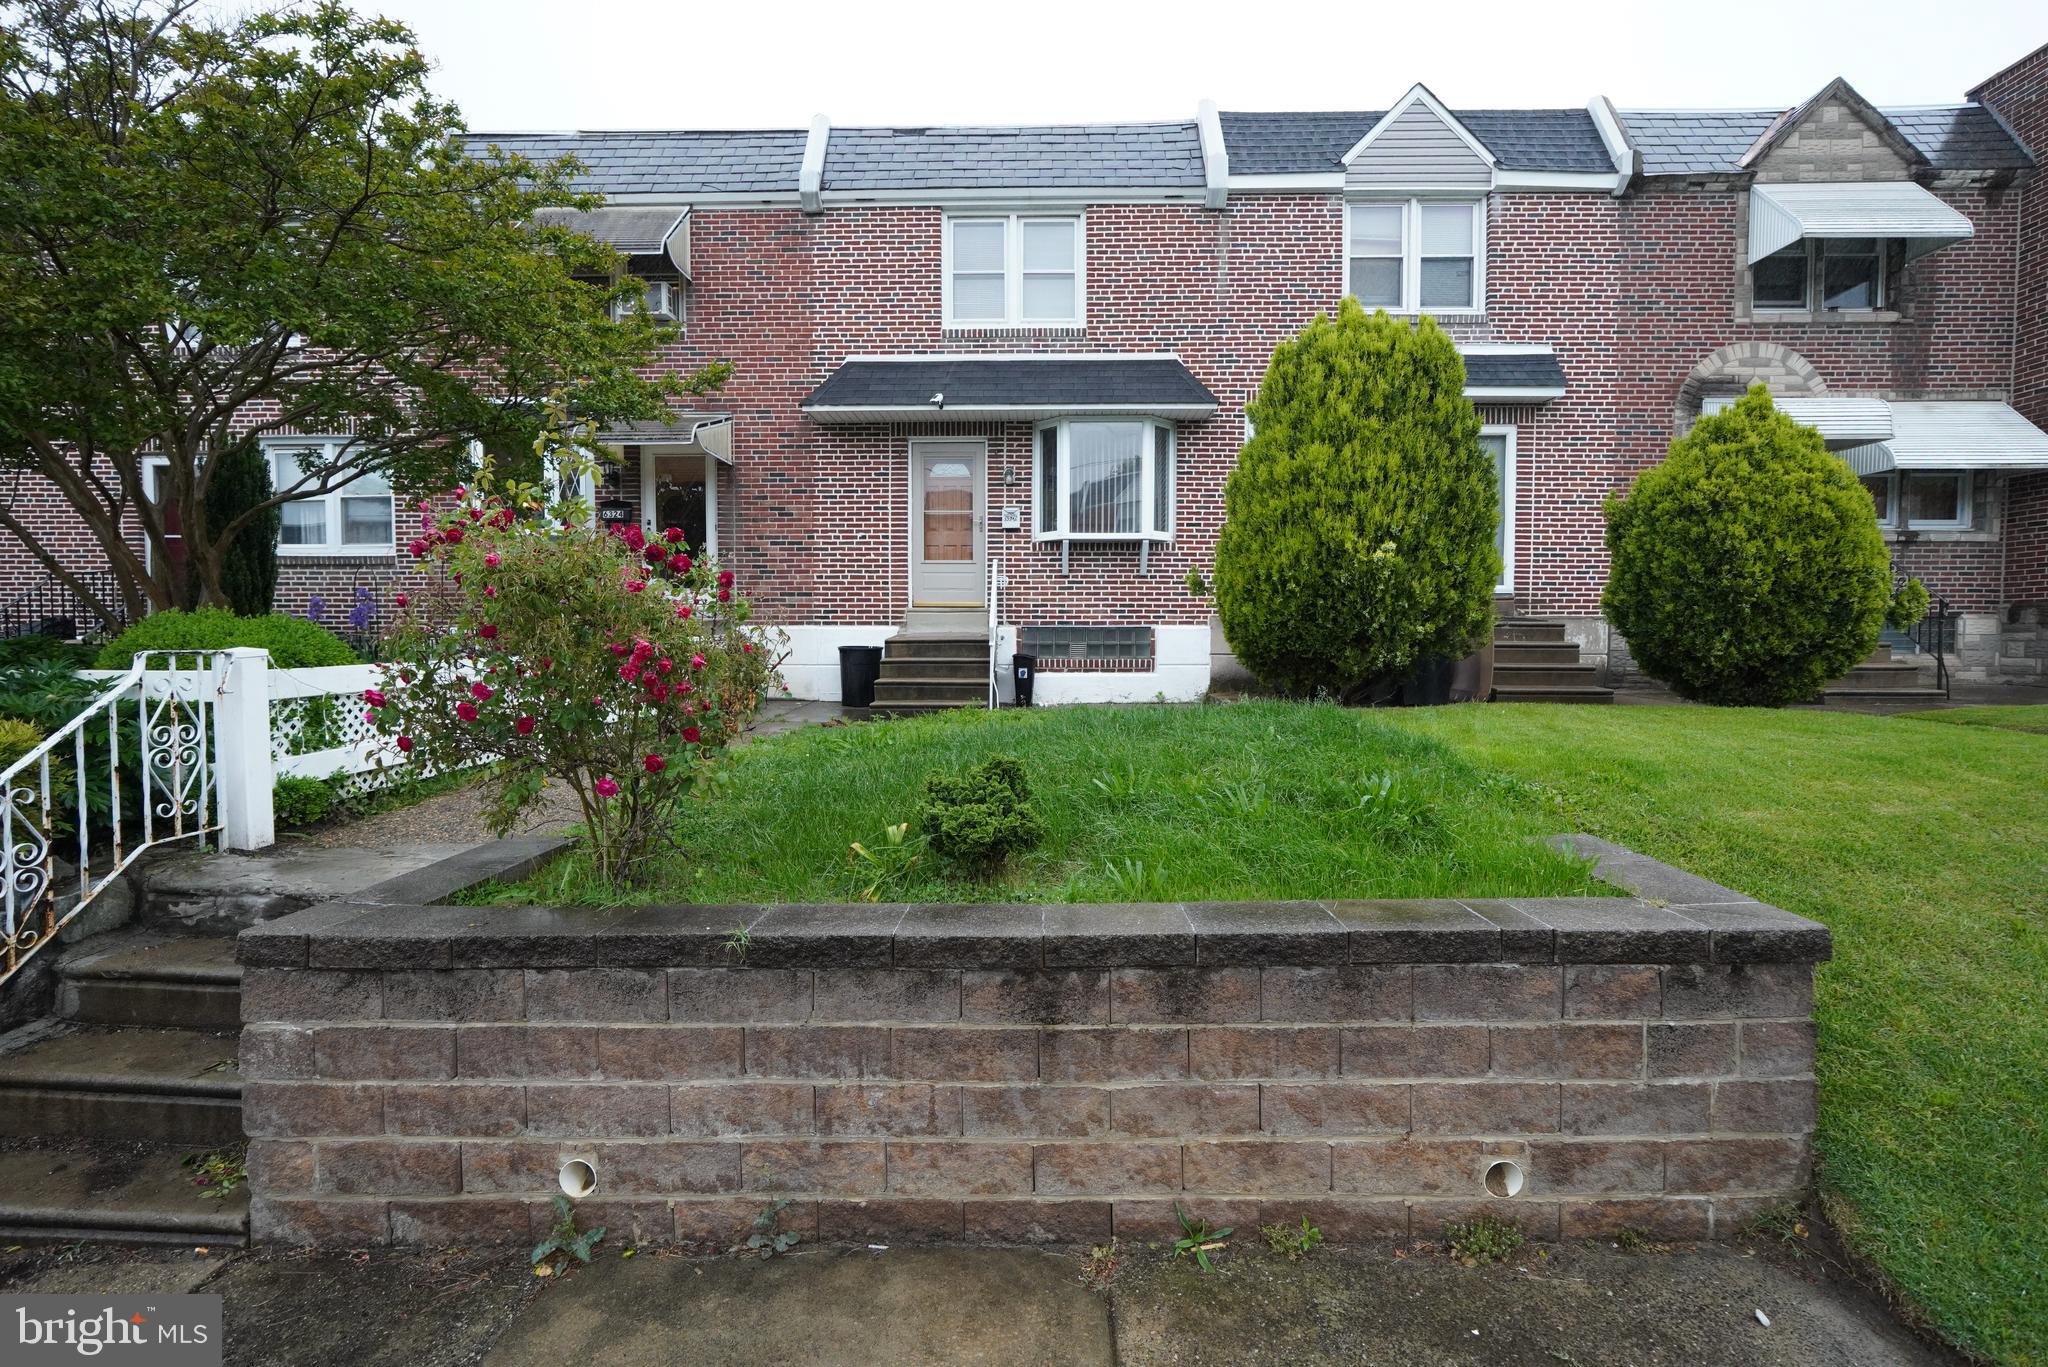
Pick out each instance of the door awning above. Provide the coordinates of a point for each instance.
(1842, 420)
(652, 239)
(703, 434)
(928, 389)
(1953, 435)
(1780, 215)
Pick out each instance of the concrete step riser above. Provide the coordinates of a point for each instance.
(1867, 678)
(900, 648)
(1561, 695)
(1546, 676)
(1530, 632)
(141, 1001)
(27, 1112)
(918, 709)
(941, 695)
(935, 669)
(1520, 653)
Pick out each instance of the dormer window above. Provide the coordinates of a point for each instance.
(1415, 255)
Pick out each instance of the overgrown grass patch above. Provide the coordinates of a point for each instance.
(1925, 849)
(1255, 800)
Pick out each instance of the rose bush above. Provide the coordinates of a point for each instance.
(615, 664)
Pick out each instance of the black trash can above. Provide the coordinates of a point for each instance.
(1023, 668)
(859, 667)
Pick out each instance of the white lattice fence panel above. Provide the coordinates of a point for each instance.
(318, 728)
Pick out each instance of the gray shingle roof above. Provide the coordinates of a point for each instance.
(1678, 142)
(1513, 370)
(1147, 155)
(679, 163)
(1520, 139)
(1054, 382)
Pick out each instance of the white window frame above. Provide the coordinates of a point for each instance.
(1895, 493)
(1507, 503)
(1151, 470)
(1013, 271)
(1411, 253)
(333, 548)
(1815, 302)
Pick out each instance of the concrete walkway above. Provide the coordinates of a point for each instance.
(1588, 1305)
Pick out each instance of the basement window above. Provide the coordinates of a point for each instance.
(1066, 641)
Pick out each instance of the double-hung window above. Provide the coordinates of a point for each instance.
(355, 519)
(1830, 274)
(1923, 501)
(1104, 480)
(1415, 255)
(1014, 270)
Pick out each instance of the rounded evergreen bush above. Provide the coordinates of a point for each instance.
(1748, 569)
(293, 642)
(1358, 533)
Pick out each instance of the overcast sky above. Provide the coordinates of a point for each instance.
(560, 64)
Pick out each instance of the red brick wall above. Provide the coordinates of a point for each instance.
(2020, 96)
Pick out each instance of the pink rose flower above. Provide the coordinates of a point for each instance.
(374, 697)
(696, 662)
(490, 590)
(492, 560)
(664, 664)
(654, 764)
(629, 672)
(635, 585)
(607, 787)
(466, 711)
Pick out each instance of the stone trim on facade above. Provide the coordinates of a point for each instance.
(1033, 1074)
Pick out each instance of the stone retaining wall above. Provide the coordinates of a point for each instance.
(1021, 1074)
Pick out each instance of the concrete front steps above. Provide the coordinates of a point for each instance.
(1885, 678)
(931, 670)
(1534, 662)
(99, 1105)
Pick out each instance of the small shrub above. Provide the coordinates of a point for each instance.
(1748, 569)
(293, 642)
(1483, 1241)
(36, 649)
(17, 738)
(979, 819)
(302, 801)
(1908, 607)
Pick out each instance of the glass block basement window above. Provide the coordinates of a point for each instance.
(1063, 642)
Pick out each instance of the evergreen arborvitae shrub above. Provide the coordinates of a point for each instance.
(1358, 533)
(248, 569)
(1748, 569)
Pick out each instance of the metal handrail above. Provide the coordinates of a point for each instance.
(178, 785)
(995, 580)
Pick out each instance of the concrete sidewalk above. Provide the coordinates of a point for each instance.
(1584, 1304)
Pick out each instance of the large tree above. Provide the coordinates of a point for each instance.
(213, 230)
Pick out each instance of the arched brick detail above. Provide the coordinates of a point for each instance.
(1732, 370)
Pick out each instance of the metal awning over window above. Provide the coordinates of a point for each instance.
(1842, 420)
(1511, 373)
(1780, 215)
(652, 240)
(708, 434)
(927, 389)
(1953, 435)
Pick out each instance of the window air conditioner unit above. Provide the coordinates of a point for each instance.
(660, 297)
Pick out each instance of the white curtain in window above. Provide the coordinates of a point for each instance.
(1049, 268)
(1378, 238)
(1106, 462)
(978, 268)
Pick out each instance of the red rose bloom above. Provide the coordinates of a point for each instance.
(725, 595)
(480, 691)
(655, 554)
(654, 764)
(418, 549)
(691, 735)
(725, 579)
(405, 744)
(488, 632)
(682, 611)
(374, 697)
(524, 726)
(682, 564)
(466, 711)
(399, 599)
(453, 536)
(672, 535)
(607, 787)
(635, 585)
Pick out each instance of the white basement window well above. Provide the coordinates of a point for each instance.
(1014, 270)
(1921, 501)
(1103, 480)
(1416, 255)
(355, 519)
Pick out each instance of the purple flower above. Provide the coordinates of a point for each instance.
(316, 608)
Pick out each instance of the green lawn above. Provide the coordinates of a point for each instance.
(1140, 804)
(1925, 848)
(2032, 717)
(1921, 840)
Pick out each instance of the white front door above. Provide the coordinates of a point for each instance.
(947, 557)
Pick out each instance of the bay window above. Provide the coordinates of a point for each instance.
(355, 519)
(1013, 270)
(1104, 480)
(1415, 255)
(1921, 500)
